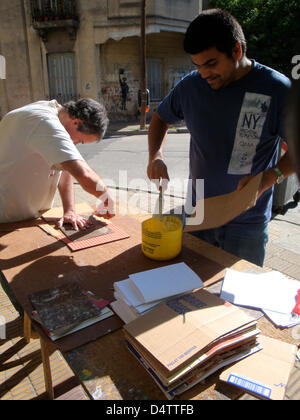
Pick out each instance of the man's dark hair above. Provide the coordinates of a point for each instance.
(92, 114)
(214, 28)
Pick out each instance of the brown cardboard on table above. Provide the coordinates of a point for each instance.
(266, 373)
(32, 261)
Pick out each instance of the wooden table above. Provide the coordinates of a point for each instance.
(32, 260)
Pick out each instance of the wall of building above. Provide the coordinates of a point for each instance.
(17, 87)
(106, 46)
(120, 59)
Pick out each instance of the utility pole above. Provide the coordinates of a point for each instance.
(143, 86)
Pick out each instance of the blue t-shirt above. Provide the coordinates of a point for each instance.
(235, 131)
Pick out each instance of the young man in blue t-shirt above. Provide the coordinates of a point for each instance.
(234, 110)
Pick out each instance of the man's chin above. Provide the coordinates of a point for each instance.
(215, 83)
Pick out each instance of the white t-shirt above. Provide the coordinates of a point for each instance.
(33, 144)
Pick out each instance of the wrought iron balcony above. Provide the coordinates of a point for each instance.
(48, 15)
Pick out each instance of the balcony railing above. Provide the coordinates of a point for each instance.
(51, 10)
(50, 15)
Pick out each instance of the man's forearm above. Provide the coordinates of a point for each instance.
(89, 180)
(286, 168)
(66, 191)
(156, 137)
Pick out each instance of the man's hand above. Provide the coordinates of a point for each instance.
(157, 171)
(77, 221)
(267, 181)
(105, 206)
(270, 177)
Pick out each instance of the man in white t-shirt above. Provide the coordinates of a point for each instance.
(38, 155)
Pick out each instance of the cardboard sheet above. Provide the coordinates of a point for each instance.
(266, 373)
(217, 211)
(102, 231)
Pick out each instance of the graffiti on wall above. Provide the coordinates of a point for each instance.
(124, 88)
(119, 92)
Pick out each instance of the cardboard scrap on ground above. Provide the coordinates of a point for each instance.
(217, 211)
(264, 374)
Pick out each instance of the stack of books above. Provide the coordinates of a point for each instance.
(143, 291)
(185, 339)
(66, 309)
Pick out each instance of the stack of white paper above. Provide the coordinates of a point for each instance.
(143, 291)
(272, 292)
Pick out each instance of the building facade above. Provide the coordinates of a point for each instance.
(69, 49)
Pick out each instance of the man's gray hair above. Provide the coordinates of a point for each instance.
(92, 114)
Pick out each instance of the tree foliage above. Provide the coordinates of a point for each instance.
(271, 28)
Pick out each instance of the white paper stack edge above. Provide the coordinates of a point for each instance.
(143, 291)
(272, 292)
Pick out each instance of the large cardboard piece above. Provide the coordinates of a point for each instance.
(219, 210)
(265, 374)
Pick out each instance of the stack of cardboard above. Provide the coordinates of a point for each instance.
(187, 338)
(143, 291)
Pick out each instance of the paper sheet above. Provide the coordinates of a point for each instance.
(269, 291)
(165, 281)
(217, 211)
(282, 320)
(127, 293)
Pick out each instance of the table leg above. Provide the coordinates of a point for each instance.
(47, 368)
(27, 328)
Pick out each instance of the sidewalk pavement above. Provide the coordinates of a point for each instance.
(120, 129)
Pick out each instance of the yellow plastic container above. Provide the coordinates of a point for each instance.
(162, 237)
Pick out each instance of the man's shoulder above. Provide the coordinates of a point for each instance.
(272, 76)
(35, 111)
(189, 79)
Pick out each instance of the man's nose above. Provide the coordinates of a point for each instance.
(205, 73)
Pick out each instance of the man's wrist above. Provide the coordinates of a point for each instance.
(69, 211)
(157, 156)
(280, 176)
(269, 179)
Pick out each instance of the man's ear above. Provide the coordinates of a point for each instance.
(237, 51)
(76, 122)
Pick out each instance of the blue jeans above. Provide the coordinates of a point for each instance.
(245, 241)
